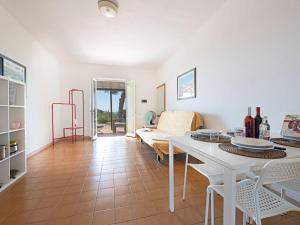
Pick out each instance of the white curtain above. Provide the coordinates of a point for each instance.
(130, 108)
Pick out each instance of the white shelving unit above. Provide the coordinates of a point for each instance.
(12, 112)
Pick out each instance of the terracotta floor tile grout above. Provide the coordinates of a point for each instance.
(82, 184)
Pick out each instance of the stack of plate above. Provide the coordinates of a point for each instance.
(252, 144)
(292, 136)
(209, 132)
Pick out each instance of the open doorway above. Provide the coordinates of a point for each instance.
(111, 111)
(111, 108)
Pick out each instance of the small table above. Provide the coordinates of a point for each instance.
(210, 153)
(119, 124)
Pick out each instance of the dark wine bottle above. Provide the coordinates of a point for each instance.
(257, 122)
(249, 124)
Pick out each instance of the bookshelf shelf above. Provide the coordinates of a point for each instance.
(12, 112)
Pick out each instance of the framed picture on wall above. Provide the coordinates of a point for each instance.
(12, 69)
(186, 85)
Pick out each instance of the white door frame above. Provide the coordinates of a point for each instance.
(130, 108)
(93, 101)
(93, 120)
(109, 79)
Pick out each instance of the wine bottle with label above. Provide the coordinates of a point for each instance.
(249, 124)
(257, 122)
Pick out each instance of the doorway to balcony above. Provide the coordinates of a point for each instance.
(111, 109)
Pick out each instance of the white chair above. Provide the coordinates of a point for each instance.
(215, 176)
(257, 202)
(292, 186)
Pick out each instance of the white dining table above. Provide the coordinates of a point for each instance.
(232, 164)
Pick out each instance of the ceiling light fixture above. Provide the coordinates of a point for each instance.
(108, 8)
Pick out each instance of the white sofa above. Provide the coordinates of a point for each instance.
(171, 123)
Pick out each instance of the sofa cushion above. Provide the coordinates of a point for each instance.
(153, 136)
(175, 123)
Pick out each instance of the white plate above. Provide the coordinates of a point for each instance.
(252, 142)
(252, 149)
(245, 147)
(252, 146)
(291, 138)
(209, 132)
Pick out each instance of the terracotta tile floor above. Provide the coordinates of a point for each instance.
(112, 181)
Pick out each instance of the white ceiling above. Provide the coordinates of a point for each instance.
(145, 32)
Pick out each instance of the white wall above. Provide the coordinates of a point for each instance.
(247, 54)
(43, 84)
(79, 76)
(246, 45)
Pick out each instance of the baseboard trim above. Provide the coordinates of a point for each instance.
(38, 150)
(48, 145)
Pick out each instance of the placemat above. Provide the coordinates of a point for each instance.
(269, 154)
(285, 142)
(222, 139)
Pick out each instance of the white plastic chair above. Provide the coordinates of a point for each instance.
(292, 186)
(215, 176)
(257, 202)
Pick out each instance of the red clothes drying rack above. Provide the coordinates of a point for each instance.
(74, 122)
